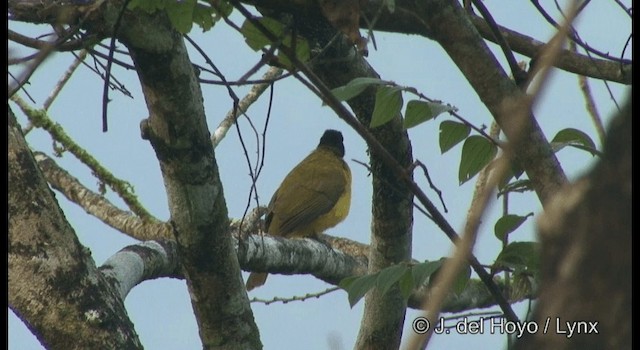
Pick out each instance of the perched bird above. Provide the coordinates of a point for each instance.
(313, 197)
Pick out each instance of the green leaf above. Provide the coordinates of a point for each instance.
(575, 138)
(148, 6)
(181, 14)
(451, 133)
(520, 186)
(203, 16)
(302, 52)
(355, 87)
(508, 223)
(424, 270)
(358, 286)
(520, 255)
(224, 9)
(515, 170)
(460, 283)
(418, 112)
(254, 37)
(477, 152)
(406, 284)
(389, 276)
(523, 284)
(388, 105)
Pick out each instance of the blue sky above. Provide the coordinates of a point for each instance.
(161, 310)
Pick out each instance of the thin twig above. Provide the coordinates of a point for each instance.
(113, 59)
(421, 165)
(28, 72)
(394, 187)
(236, 102)
(590, 103)
(626, 9)
(578, 41)
(107, 76)
(41, 44)
(518, 73)
(295, 298)
(63, 80)
(114, 83)
(22, 88)
(253, 95)
(245, 82)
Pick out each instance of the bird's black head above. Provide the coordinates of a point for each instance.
(332, 139)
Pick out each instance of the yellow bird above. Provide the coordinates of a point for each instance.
(314, 196)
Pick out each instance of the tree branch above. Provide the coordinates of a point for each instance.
(177, 130)
(98, 206)
(567, 60)
(156, 259)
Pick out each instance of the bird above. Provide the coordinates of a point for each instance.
(313, 197)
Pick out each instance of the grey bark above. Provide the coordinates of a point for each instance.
(54, 285)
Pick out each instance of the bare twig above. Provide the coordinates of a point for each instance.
(573, 36)
(626, 9)
(28, 72)
(395, 188)
(590, 103)
(518, 73)
(63, 80)
(244, 104)
(107, 75)
(295, 298)
(421, 165)
(24, 40)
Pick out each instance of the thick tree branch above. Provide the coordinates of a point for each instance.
(155, 259)
(178, 132)
(144, 261)
(567, 60)
(54, 285)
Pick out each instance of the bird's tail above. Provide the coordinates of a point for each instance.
(256, 279)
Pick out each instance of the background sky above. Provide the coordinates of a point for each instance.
(161, 310)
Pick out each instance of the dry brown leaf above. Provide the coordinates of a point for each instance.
(344, 15)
